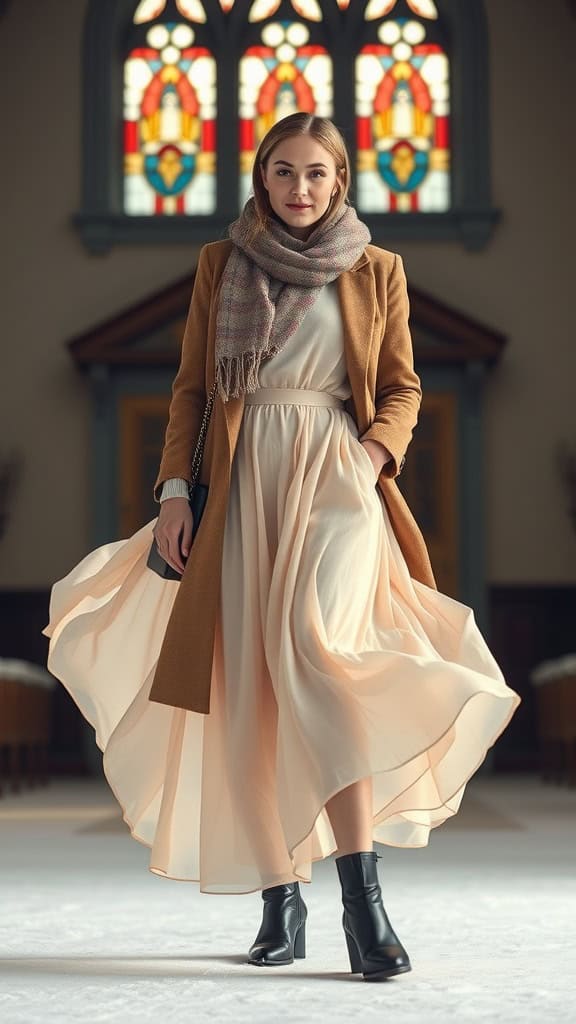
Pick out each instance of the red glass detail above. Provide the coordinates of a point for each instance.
(192, 52)
(363, 133)
(209, 136)
(130, 137)
(246, 135)
(302, 91)
(421, 49)
(385, 93)
(180, 204)
(414, 201)
(304, 95)
(158, 204)
(152, 95)
(420, 91)
(393, 203)
(310, 51)
(187, 94)
(267, 96)
(145, 52)
(259, 51)
(442, 133)
(378, 49)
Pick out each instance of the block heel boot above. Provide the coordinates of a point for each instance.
(373, 946)
(282, 937)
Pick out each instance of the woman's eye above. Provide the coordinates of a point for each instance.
(282, 169)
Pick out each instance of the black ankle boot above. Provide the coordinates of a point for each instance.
(373, 946)
(282, 933)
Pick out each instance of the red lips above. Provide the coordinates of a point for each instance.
(295, 206)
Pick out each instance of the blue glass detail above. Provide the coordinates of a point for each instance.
(151, 162)
(420, 171)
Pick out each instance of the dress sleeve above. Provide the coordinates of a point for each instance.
(174, 488)
(398, 392)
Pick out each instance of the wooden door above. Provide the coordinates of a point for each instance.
(429, 484)
(142, 422)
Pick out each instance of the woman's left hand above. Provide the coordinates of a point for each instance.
(378, 454)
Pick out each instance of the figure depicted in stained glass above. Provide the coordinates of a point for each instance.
(402, 125)
(282, 75)
(169, 128)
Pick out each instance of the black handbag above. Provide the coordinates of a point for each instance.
(197, 496)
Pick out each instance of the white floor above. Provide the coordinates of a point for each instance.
(487, 913)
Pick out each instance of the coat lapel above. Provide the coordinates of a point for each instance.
(356, 294)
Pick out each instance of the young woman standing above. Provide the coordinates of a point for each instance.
(305, 689)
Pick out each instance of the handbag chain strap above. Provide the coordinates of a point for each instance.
(197, 457)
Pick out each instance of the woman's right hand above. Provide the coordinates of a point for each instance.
(173, 531)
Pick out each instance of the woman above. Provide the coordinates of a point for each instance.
(305, 689)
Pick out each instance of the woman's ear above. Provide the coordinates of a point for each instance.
(263, 176)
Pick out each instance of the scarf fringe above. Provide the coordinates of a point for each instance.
(237, 374)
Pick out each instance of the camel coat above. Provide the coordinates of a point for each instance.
(384, 404)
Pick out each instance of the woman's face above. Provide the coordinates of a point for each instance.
(300, 178)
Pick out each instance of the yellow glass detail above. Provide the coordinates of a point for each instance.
(286, 72)
(401, 70)
(170, 74)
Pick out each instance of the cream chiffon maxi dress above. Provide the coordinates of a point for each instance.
(330, 662)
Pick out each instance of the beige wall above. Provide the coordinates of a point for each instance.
(520, 283)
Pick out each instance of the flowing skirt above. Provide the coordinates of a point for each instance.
(331, 664)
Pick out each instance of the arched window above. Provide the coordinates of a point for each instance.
(169, 119)
(402, 110)
(178, 94)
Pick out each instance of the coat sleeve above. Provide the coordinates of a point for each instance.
(398, 393)
(189, 388)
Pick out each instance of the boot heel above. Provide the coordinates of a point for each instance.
(355, 958)
(300, 942)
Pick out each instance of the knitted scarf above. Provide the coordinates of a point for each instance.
(269, 285)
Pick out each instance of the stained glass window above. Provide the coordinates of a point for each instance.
(403, 113)
(282, 74)
(169, 121)
(250, 62)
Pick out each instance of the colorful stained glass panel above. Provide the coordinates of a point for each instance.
(402, 121)
(283, 74)
(169, 125)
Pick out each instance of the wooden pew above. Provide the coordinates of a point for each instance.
(555, 691)
(25, 723)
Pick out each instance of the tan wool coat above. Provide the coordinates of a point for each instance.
(384, 404)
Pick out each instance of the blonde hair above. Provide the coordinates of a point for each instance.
(327, 134)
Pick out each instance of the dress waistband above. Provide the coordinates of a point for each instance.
(293, 396)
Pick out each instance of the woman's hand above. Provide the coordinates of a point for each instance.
(173, 532)
(378, 454)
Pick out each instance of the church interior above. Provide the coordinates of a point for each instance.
(156, 110)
